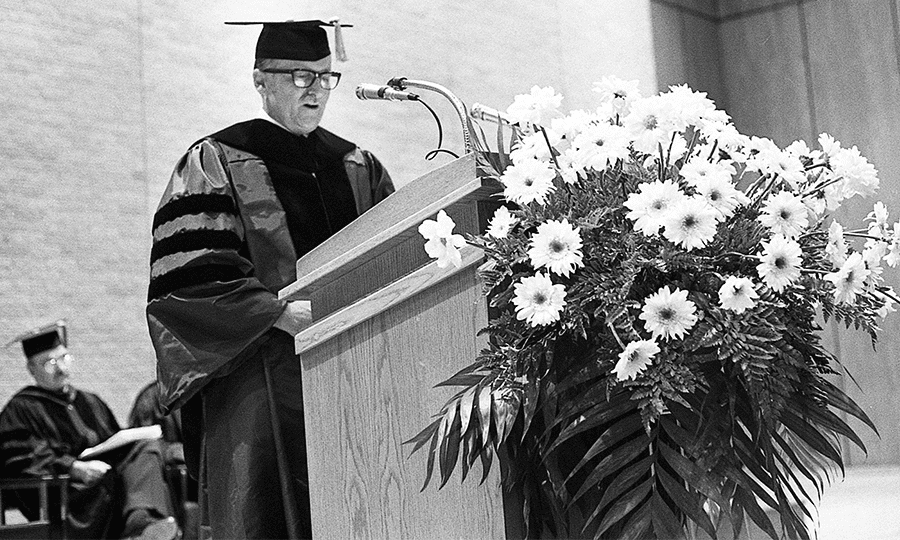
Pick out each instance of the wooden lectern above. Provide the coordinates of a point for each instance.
(388, 324)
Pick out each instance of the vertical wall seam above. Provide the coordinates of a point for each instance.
(895, 22)
(807, 68)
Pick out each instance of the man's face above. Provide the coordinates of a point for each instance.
(50, 369)
(298, 109)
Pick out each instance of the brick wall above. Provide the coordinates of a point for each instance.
(98, 100)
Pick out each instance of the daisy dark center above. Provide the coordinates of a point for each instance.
(619, 94)
(714, 196)
(557, 247)
(850, 278)
(667, 314)
(529, 182)
(689, 222)
(650, 122)
(539, 298)
(785, 214)
(658, 204)
(780, 263)
(600, 142)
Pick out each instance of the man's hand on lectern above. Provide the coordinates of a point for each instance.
(296, 316)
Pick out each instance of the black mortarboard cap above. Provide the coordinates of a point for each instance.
(298, 40)
(42, 339)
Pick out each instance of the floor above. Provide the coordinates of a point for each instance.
(864, 506)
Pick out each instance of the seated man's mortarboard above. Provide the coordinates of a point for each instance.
(298, 40)
(42, 339)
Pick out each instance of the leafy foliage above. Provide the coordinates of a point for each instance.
(733, 415)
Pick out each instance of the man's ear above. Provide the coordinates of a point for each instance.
(259, 80)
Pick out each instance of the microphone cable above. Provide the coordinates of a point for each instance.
(431, 154)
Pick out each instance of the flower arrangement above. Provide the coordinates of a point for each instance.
(655, 279)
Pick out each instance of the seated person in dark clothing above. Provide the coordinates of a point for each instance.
(147, 411)
(45, 427)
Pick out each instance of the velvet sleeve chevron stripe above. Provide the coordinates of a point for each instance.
(206, 304)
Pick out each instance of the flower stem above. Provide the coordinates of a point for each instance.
(550, 146)
(616, 335)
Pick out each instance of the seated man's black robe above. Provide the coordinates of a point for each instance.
(43, 431)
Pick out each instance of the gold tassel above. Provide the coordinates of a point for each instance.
(339, 50)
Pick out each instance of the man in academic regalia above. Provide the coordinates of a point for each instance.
(241, 207)
(45, 427)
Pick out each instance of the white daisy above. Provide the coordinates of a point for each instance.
(691, 107)
(530, 147)
(878, 219)
(538, 301)
(617, 92)
(599, 146)
(800, 149)
(737, 294)
(691, 223)
(780, 262)
(872, 254)
(572, 124)
(836, 248)
(501, 223)
(761, 150)
(535, 107)
(668, 314)
(829, 146)
(888, 306)
(557, 247)
(529, 181)
(649, 205)
(850, 280)
(784, 213)
(721, 195)
(635, 359)
(441, 243)
(860, 176)
(893, 257)
(698, 168)
(649, 124)
(787, 166)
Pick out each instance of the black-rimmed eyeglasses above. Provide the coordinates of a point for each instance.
(304, 78)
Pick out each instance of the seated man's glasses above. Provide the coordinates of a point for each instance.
(63, 360)
(304, 78)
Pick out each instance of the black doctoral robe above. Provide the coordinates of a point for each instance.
(241, 207)
(41, 433)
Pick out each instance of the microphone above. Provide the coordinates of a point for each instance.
(374, 91)
(487, 114)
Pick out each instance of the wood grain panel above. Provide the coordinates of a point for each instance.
(368, 390)
(381, 300)
(853, 58)
(764, 75)
(687, 51)
(375, 271)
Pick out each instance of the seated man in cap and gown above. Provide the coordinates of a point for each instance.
(242, 205)
(44, 428)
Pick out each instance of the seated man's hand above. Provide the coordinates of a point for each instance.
(89, 472)
(295, 317)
